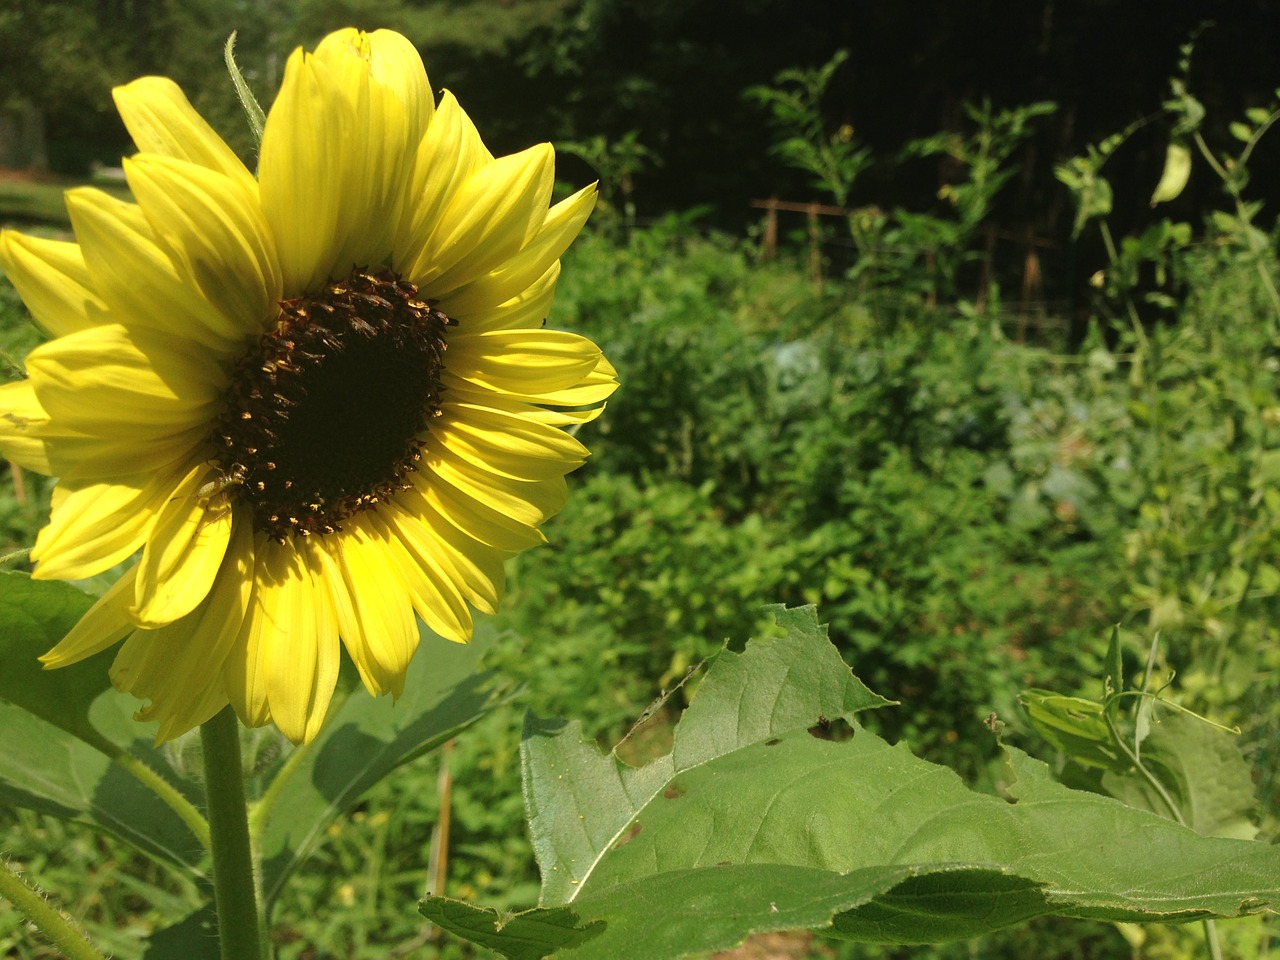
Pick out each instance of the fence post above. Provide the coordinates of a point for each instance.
(771, 229)
(815, 244)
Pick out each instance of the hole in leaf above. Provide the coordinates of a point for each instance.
(838, 729)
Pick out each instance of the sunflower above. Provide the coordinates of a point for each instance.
(317, 402)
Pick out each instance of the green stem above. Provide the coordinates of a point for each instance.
(262, 809)
(1113, 257)
(1211, 939)
(1147, 775)
(1242, 215)
(167, 792)
(239, 921)
(15, 556)
(56, 928)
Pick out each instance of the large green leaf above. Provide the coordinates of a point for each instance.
(66, 731)
(757, 822)
(365, 738)
(794, 682)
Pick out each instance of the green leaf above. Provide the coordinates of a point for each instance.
(792, 682)
(1138, 866)
(1075, 726)
(366, 738)
(520, 936)
(757, 821)
(195, 937)
(36, 614)
(1113, 681)
(65, 731)
(1203, 772)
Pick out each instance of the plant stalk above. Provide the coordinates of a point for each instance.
(56, 928)
(240, 926)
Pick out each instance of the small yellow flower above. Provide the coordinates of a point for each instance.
(317, 400)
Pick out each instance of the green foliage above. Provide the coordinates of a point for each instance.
(776, 441)
(76, 753)
(758, 819)
(984, 154)
(1154, 756)
(832, 161)
(615, 162)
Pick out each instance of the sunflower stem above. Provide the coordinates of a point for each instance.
(31, 903)
(239, 920)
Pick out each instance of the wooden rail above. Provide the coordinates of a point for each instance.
(1032, 278)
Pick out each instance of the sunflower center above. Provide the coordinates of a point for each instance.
(324, 415)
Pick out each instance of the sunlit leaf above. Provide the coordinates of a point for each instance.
(754, 825)
(62, 729)
(794, 682)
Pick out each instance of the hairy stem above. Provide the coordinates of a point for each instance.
(240, 927)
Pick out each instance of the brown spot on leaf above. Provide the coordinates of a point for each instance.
(628, 836)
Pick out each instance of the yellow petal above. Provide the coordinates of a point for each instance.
(162, 121)
(179, 667)
(183, 553)
(74, 457)
(521, 361)
(505, 443)
(93, 526)
(566, 418)
(135, 277)
(336, 154)
(23, 422)
(527, 310)
(131, 385)
(471, 509)
(474, 569)
(52, 279)
(375, 615)
(213, 230)
(491, 216)
(382, 79)
(449, 153)
(31, 439)
(516, 273)
(598, 385)
(299, 176)
(244, 673)
(434, 586)
(525, 503)
(298, 652)
(394, 62)
(105, 623)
